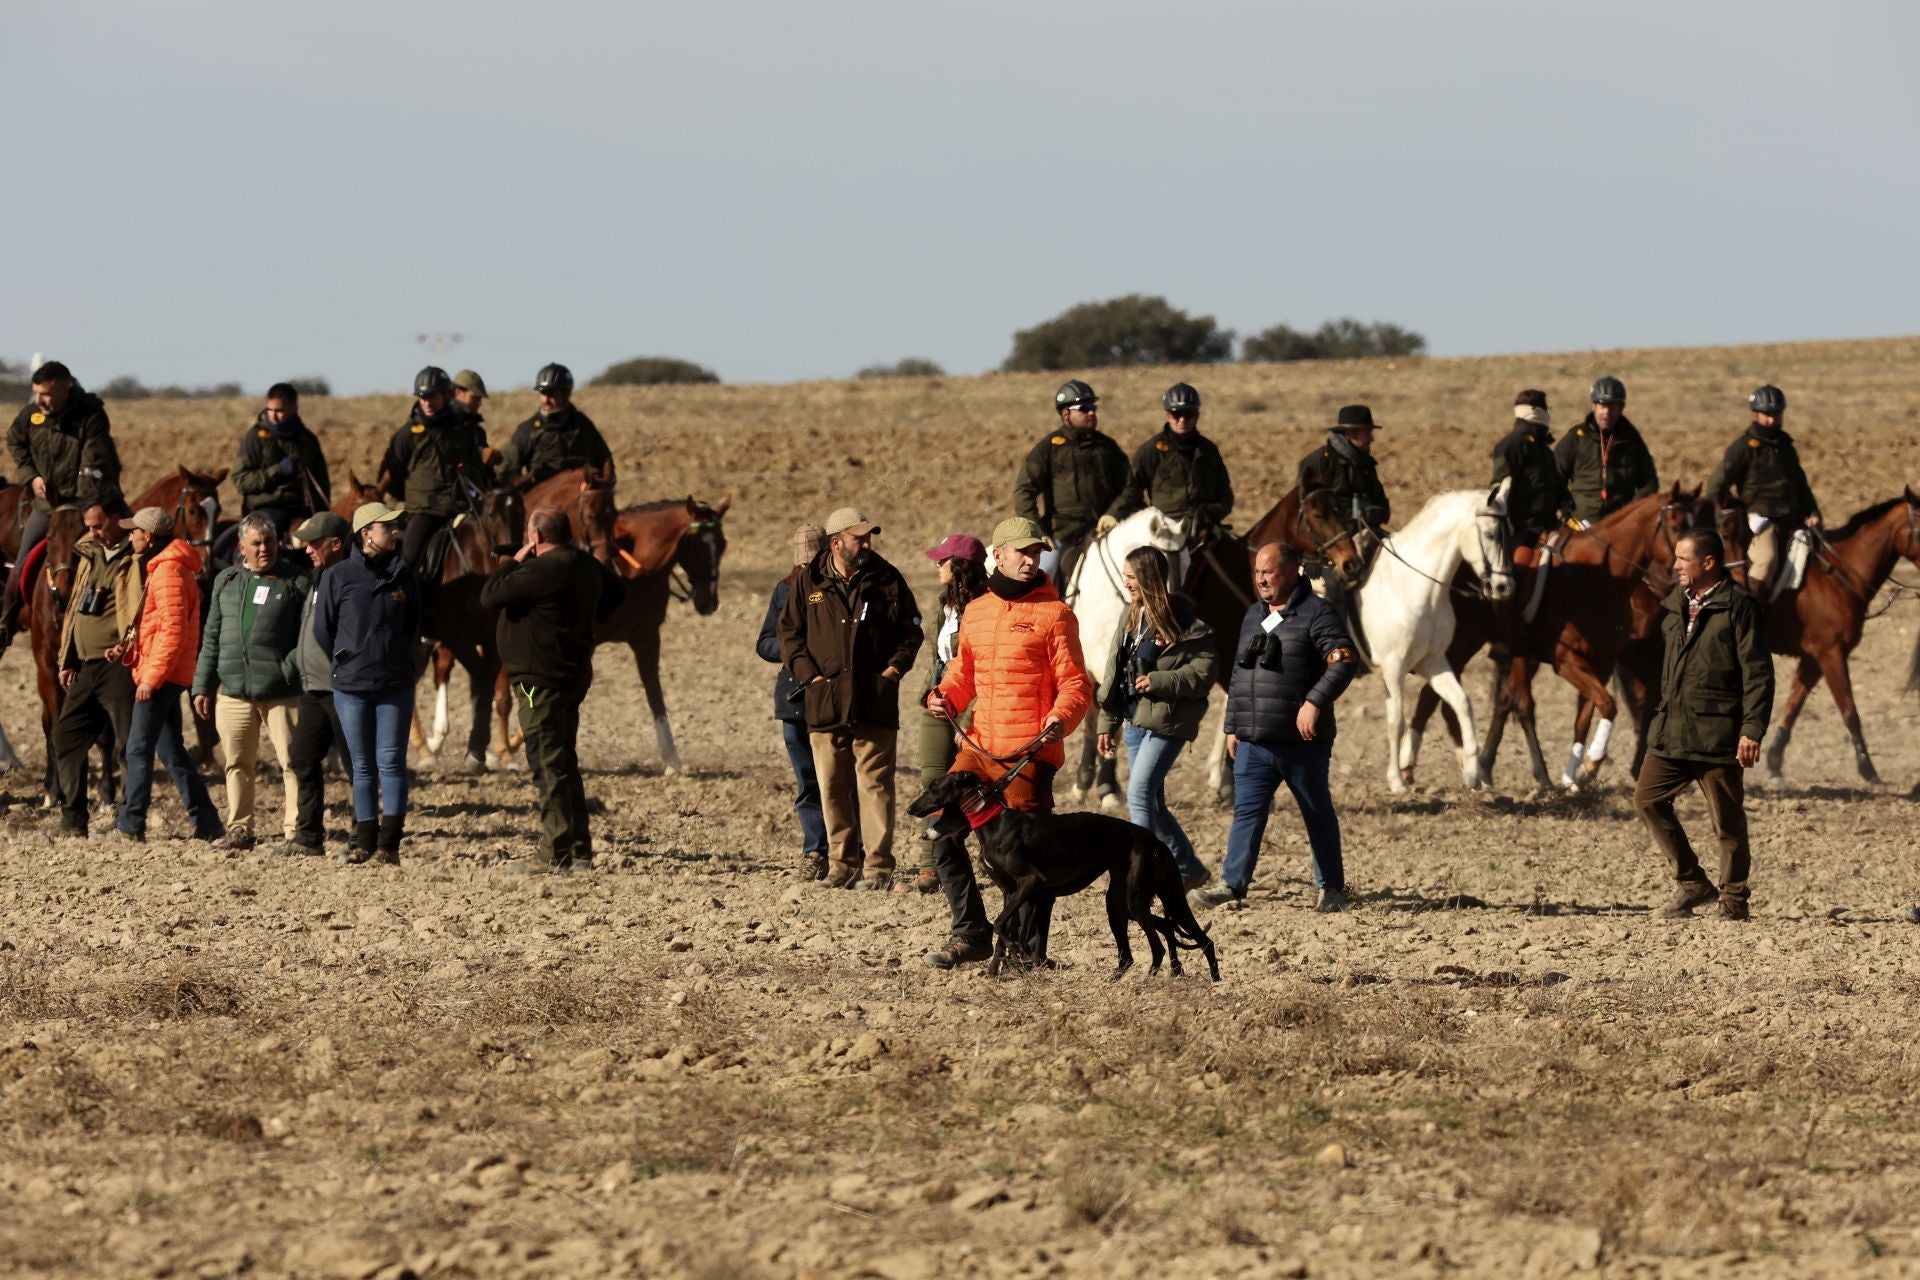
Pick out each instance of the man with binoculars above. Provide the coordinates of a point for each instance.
(1293, 659)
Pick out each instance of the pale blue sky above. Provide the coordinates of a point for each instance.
(206, 190)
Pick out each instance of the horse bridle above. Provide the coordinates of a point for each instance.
(209, 504)
(680, 583)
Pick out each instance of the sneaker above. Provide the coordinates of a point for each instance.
(1218, 896)
(957, 952)
(878, 881)
(1195, 882)
(1733, 908)
(1332, 902)
(1691, 894)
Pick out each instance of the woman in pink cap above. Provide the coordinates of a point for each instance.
(963, 575)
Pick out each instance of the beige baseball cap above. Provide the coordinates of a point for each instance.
(1018, 531)
(374, 513)
(850, 520)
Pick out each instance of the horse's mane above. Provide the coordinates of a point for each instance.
(1442, 505)
(648, 507)
(1860, 519)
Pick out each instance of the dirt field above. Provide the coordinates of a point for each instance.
(686, 1064)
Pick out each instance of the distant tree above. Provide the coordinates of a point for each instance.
(312, 385)
(128, 387)
(125, 387)
(910, 367)
(1135, 329)
(648, 371)
(1342, 339)
(15, 386)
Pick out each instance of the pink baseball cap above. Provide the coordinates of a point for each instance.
(962, 545)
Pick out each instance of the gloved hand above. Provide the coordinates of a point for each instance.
(1105, 526)
(289, 465)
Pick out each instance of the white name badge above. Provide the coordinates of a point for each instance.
(260, 593)
(1271, 623)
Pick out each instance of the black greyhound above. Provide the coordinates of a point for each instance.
(1061, 854)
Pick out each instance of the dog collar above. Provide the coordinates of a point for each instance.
(982, 811)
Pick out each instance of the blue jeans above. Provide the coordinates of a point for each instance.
(375, 727)
(1258, 772)
(155, 729)
(806, 788)
(1150, 758)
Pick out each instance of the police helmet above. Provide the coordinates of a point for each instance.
(431, 379)
(1609, 391)
(1768, 399)
(554, 377)
(1074, 394)
(1180, 399)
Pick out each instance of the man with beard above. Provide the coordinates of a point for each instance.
(280, 469)
(558, 438)
(1073, 482)
(849, 633)
(1179, 470)
(1604, 461)
(431, 461)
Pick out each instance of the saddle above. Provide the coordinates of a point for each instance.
(1792, 569)
(433, 557)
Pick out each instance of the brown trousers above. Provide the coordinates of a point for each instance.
(855, 768)
(1724, 787)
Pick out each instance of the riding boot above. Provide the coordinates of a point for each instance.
(389, 841)
(360, 842)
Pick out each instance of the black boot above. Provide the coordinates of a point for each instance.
(360, 843)
(389, 841)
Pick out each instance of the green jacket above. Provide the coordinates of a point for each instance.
(1605, 471)
(1765, 468)
(1179, 680)
(427, 460)
(547, 444)
(1069, 480)
(257, 470)
(71, 450)
(1538, 497)
(1717, 684)
(266, 662)
(1184, 476)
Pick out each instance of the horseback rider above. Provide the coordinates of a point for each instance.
(1073, 482)
(433, 462)
(1537, 501)
(1604, 461)
(1345, 468)
(470, 393)
(280, 468)
(1762, 468)
(63, 447)
(558, 438)
(1180, 471)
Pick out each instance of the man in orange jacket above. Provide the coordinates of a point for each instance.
(163, 648)
(1017, 663)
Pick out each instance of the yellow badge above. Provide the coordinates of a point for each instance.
(1581, 432)
(1753, 444)
(264, 433)
(816, 597)
(1059, 440)
(1161, 445)
(419, 428)
(38, 419)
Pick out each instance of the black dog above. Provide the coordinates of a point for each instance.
(1061, 854)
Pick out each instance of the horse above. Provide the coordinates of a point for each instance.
(585, 494)
(1098, 597)
(44, 605)
(1407, 611)
(1820, 623)
(1600, 606)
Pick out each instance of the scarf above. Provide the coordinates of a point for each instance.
(1531, 413)
(1010, 588)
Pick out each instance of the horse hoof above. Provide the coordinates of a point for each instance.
(473, 764)
(1111, 803)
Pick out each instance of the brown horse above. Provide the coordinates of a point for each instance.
(1821, 622)
(1602, 594)
(586, 496)
(44, 605)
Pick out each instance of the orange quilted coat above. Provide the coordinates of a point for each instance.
(169, 636)
(1016, 663)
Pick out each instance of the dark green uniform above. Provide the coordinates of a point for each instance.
(1605, 470)
(1538, 498)
(428, 458)
(1184, 476)
(1070, 479)
(1763, 469)
(72, 450)
(261, 473)
(1350, 476)
(548, 443)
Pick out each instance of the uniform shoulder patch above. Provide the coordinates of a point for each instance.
(263, 433)
(815, 597)
(1058, 440)
(1161, 445)
(1752, 443)
(1339, 654)
(38, 419)
(1580, 431)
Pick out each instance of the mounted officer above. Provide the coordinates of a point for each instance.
(1073, 481)
(62, 446)
(279, 467)
(1604, 461)
(558, 438)
(1180, 471)
(1762, 469)
(1344, 468)
(431, 462)
(1538, 501)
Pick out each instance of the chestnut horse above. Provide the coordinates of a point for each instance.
(586, 496)
(44, 604)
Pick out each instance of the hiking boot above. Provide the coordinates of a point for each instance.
(1196, 882)
(537, 867)
(813, 866)
(957, 952)
(1691, 894)
(840, 877)
(927, 881)
(878, 881)
(360, 842)
(237, 840)
(294, 849)
(1733, 909)
(1332, 902)
(114, 835)
(1218, 896)
(386, 841)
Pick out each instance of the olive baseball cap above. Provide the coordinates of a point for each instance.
(468, 380)
(324, 525)
(1018, 531)
(374, 513)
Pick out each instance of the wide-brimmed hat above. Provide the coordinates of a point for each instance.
(850, 520)
(324, 525)
(962, 546)
(374, 513)
(1018, 531)
(1355, 415)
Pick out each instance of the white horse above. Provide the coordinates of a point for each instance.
(1407, 614)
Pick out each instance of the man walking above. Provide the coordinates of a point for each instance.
(1292, 661)
(1017, 664)
(1604, 461)
(103, 608)
(850, 632)
(1180, 471)
(249, 669)
(1072, 483)
(1716, 696)
(316, 725)
(280, 468)
(1762, 468)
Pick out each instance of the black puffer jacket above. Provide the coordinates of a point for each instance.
(786, 690)
(1308, 658)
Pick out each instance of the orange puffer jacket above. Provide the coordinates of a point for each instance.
(169, 633)
(1016, 663)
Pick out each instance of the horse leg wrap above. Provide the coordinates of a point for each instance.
(1602, 734)
(1574, 753)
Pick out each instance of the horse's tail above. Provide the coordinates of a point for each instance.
(1913, 666)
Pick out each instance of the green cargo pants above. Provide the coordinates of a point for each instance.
(550, 718)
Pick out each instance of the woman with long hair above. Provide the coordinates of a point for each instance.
(962, 562)
(1162, 673)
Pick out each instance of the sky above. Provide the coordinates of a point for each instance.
(208, 191)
